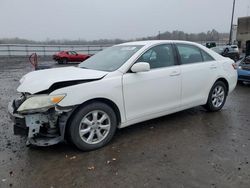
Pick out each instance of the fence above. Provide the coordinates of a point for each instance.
(12, 50)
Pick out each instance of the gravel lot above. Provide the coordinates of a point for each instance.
(192, 148)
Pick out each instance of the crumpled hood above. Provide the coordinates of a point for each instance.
(41, 80)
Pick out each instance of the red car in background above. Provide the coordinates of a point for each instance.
(64, 57)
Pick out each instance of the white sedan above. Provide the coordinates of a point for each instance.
(119, 86)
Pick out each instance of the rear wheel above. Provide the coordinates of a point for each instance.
(93, 126)
(217, 97)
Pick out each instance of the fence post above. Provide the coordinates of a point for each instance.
(27, 51)
(9, 54)
(88, 49)
(44, 53)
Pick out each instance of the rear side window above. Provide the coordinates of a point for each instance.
(189, 54)
(206, 56)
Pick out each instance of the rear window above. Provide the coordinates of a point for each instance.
(234, 46)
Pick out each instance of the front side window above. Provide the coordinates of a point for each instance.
(189, 54)
(159, 56)
(111, 58)
(73, 53)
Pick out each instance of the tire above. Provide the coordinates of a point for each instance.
(64, 61)
(217, 97)
(240, 82)
(93, 126)
(59, 62)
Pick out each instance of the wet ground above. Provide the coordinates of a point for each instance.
(192, 148)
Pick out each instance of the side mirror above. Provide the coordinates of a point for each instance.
(140, 67)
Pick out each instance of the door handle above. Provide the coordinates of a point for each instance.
(175, 73)
(213, 67)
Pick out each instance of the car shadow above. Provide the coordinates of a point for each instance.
(169, 123)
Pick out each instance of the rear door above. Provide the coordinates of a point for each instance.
(198, 71)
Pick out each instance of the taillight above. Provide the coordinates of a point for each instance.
(235, 66)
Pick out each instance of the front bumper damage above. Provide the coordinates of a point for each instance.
(41, 128)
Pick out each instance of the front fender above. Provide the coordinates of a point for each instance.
(107, 88)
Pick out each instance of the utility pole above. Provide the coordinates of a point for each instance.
(159, 36)
(231, 26)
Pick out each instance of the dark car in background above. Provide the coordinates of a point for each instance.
(210, 44)
(231, 51)
(244, 70)
(64, 57)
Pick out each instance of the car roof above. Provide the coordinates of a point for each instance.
(150, 43)
(154, 42)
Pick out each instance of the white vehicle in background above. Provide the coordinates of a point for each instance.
(231, 51)
(120, 86)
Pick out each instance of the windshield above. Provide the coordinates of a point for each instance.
(111, 58)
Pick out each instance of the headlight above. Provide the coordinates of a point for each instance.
(40, 102)
(239, 67)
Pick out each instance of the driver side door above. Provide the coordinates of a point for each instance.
(153, 93)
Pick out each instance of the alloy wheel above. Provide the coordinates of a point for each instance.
(218, 96)
(94, 127)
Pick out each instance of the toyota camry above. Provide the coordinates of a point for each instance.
(119, 86)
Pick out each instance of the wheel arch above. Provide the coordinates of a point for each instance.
(207, 105)
(224, 81)
(102, 100)
(62, 58)
(108, 102)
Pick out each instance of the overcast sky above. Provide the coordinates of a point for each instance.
(127, 19)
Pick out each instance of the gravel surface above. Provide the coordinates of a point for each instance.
(192, 148)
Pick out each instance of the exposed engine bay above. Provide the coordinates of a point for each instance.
(42, 128)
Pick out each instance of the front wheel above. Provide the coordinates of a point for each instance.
(93, 126)
(64, 61)
(217, 97)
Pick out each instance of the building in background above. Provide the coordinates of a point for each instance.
(243, 32)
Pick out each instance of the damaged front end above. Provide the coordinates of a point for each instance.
(39, 118)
